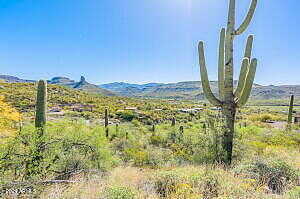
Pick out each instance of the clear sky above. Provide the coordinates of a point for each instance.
(142, 41)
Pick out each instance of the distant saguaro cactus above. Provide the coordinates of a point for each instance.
(290, 116)
(106, 121)
(173, 121)
(153, 128)
(229, 100)
(41, 105)
(181, 129)
(117, 128)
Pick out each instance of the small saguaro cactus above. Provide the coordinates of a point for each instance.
(181, 129)
(290, 116)
(41, 105)
(173, 121)
(106, 121)
(117, 128)
(229, 99)
(204, 127)
(153, 128)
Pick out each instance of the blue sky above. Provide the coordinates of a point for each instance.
(141, 41)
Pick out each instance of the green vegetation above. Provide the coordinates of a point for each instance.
(67, 139)
(178, 161)
(67, 102)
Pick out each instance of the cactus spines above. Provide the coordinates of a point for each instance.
(41, 105)
(106, 121)
(229, 99)
(290, 116)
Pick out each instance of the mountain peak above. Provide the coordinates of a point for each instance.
(82, 79)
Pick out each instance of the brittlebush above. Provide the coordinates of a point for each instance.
(8, 118)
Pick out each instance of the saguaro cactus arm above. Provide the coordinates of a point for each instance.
(248, 84)
(248, 18)
(231, 17)
(242, 78)
(245, 67)
(249, 45)
(221, 63)
(204, 78)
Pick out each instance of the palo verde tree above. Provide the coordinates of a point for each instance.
(229, 99)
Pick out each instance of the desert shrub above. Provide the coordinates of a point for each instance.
(281, 137)
(156, 140)
(210, 185)
(266, 117)
(139, 156)
(277, 175)
(187, 183)
(159, 157)
(64, 148)
(8, 118)
(136, 123)
(127, 115)
(119, 192)
(166, 183)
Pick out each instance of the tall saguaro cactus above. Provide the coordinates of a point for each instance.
(106, 121)
(229, 99)
(41, 105)
(290, 116)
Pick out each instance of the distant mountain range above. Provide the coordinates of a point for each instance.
(12, 79)
(189, 90)
(63, 81)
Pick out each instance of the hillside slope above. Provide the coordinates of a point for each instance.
(63, 81)
(75, 102)
(13, 79)
(193, 90)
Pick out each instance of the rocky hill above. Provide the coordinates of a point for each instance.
(86, 86)
(63, 81)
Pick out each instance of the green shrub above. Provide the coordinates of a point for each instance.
(156, 140)
(127, 115)
(64, 148)
(118, 192)
(139, 156)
